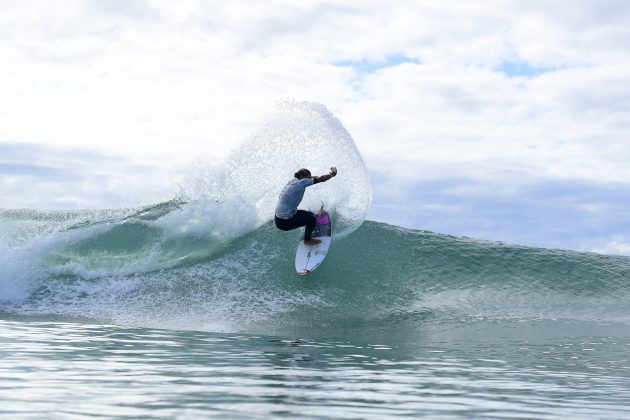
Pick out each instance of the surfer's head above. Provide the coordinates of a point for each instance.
(302, 173)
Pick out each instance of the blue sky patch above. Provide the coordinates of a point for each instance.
(367, 66)
(521, 69)
(23, 169)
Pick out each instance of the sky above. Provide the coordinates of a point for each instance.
(499, 120)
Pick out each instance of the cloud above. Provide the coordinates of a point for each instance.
(616, 245)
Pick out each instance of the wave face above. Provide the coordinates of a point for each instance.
(127, 267)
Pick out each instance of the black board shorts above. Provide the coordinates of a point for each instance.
(301, 218)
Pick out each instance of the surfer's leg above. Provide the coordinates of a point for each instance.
(301, 218)
(284, 224)
(310, 225)
(307, 219)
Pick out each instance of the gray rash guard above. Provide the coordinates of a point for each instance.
(291, 196)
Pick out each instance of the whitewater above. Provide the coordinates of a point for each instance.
(191, 308)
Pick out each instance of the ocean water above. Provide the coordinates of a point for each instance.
(190, 308)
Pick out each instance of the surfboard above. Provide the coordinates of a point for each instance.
(309, 257)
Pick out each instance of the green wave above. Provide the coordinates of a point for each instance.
(129, 268)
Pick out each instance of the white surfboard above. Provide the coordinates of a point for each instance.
(309, 257)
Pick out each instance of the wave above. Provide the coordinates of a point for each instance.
(381, 275)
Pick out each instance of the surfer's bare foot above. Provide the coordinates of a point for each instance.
(312, 241)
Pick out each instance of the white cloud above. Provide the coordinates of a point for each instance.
(617, 245)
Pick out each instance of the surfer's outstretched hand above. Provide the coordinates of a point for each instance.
(324, 178)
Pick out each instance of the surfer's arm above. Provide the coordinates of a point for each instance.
(324, 178)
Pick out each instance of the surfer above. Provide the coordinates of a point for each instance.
(287, 215)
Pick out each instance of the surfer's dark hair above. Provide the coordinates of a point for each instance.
(305, 173)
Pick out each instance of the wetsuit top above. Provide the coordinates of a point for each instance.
(291, 196)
